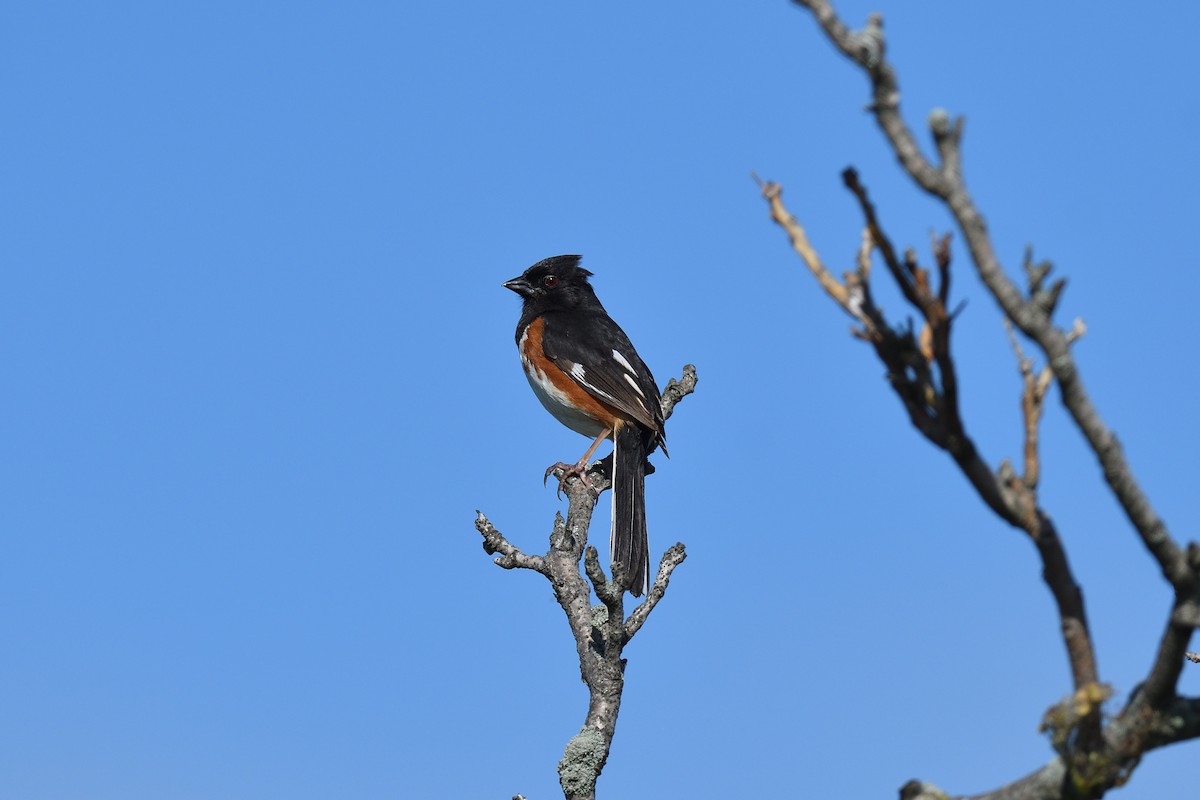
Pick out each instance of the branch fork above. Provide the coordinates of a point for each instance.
(601, 631)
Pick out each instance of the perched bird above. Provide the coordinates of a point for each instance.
(585, 371)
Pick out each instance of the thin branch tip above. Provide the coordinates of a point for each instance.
(675, 555)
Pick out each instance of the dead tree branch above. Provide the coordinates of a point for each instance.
(922, 373)
(1093, 756)
(601, 631)
(1031, 314)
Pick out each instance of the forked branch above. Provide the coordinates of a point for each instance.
(600, 631)
(922, 373)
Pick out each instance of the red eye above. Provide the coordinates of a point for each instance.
(550, 281)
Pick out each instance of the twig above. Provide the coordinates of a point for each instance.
(902, 274)
(510, 556)
(670, 560)
(773, 194)
(1032, 406)
(676, 390)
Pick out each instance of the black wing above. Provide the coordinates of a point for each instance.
(598, 356)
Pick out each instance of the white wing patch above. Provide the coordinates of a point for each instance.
(630, 373)
(623, 362)
(580, 375)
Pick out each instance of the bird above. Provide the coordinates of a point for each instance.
(587, 374)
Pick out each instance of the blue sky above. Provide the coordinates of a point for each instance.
(259, 374)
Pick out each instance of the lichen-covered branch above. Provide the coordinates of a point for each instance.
(670, 560)
(676, 390)
(600, 631)
(510, 556)
(1178, 722)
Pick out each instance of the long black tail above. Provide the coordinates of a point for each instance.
(628, 543)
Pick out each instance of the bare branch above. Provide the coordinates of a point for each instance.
(932, 406)
(903, 275)
(608, 592)
(885, 103)
(1032, 405)
(676, 390)
(947, 135)
(1093, 757)
(1180, 722)
(600, 632)
(773, 194)
(1030, 315)
(863, 262)
(670, 560)
(510, 556)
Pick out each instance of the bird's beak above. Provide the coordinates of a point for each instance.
(518, 285)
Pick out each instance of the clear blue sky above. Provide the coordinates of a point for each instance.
(258, 374)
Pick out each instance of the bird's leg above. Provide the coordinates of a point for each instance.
(579, 468)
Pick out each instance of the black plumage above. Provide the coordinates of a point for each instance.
(568, 343)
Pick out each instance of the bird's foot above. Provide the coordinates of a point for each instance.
(579, 470)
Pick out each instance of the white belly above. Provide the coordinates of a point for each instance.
(557, 404)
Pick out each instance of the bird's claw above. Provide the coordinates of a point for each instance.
(578, 470)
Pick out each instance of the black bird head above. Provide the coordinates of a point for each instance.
(555, 282)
